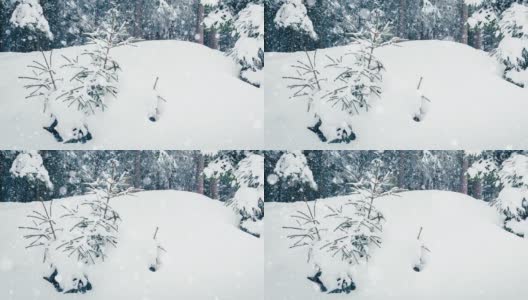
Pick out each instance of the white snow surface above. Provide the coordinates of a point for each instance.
(208, 106)
(472, 106)
(471, 256)
(207, 256)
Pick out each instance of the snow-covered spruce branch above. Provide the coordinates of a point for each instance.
(512, 50)
(246, 24)
(353, 246)
(248, 201)
(307, 230)
(43, 81)
(90, 84)
(292, 167)
(43, 229)
(90, 232)
(365, 82)
(512, 201)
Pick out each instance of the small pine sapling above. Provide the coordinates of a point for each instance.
(92, 82)
(46, 85)
(46, 232)
(346, 85)
(310, 83)
(423, 103)
(111, 185)
(374, 184)
(96, 223)
(43, 84)
(423, 253)
(354, 83)
(342, 237)
(376, 33)
(157, 103)
(337, 240)
(157, 253)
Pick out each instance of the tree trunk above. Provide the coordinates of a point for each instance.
(138, 18)
(137, 170)
(402, 19)
(2, 9)
(477, 188)
(213, 39)
(199, 31)
(401, 169)
(463, 22)
(200, 163)
(214, 188)
(1, 174)
(478, 38)
(463, 175)
(37, 192)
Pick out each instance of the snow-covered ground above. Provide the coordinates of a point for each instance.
(471, 107)
(471, 257)
(207, 257)
(207, 107)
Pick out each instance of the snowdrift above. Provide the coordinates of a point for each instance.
(471, 257)
(471, 107)
(208, 106)
(207, 257)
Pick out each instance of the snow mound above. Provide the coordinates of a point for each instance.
(471, 256)
(472, 106)
(207, 255)
(207, 106)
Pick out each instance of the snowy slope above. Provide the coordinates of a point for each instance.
(207, 105)
(207, 257)
(472, 106)
(472, 257)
